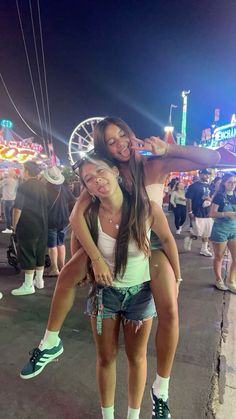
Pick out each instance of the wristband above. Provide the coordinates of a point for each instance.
(179, 280)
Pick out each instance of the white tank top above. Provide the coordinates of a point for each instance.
(137, 268)
(156, 192)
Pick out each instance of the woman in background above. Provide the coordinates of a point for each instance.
(223, 235)
(178, 202)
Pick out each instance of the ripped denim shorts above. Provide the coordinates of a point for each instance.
(131, 304)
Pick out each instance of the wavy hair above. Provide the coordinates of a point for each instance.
(128, 229)
(137, 188)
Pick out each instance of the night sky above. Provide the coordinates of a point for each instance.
(126, 58)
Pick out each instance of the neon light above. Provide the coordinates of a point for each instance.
(225, 132)
(184, 117)
(6, 124)
(19, 152)
(233, 119)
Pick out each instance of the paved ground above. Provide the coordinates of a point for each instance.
(67, 388)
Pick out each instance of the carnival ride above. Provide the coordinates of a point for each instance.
(81, 139)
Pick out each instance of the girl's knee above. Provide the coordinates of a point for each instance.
(137, 359)
(169, 313)
(106, 359)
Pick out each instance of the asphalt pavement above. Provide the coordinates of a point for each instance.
(203, 383)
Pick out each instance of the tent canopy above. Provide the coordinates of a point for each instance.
(227, 160)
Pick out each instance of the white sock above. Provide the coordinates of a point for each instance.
(161, 387)
(50, 339)
(204, 246)
(133, 413)
(108, 412)
(39, 275)
(29, 279)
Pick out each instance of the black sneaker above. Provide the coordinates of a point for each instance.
(39, 360)
(160, 409)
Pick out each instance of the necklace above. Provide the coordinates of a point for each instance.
(110, 220)
(115, 224)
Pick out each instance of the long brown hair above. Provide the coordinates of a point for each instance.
(129, 227)
(136, 169)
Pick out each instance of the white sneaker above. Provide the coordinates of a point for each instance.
(23, 290)
(205, 253)
(187, 243)
(178, 231)
(1, 295)
(38, 283)
(220, 285)
(231, 286)
(7, 231)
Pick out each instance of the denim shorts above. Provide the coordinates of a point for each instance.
(223, 231)
(131, 303)
(56, 237)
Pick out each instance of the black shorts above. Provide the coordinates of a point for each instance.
(31, 252)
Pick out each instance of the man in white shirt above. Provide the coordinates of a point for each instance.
(9, 186)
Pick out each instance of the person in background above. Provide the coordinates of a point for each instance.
(60, 203)
(171, 186)
(214, 186)
(194, 179)
(9, 187)
(223, 235)
(178, 202)
(30, 223)
(198, 206)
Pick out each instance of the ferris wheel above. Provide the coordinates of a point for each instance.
(81, 139)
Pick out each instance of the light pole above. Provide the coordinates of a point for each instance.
(170, 127)
(182, 139)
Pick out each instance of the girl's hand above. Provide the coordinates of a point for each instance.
(151, 146)
(102, 272)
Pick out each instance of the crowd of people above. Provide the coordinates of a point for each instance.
(122, 242)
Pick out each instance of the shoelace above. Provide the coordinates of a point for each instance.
(35, 355)
(159, 407)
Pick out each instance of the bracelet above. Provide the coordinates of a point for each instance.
(179, 280)
(190, 212)
(166, 150)
(96, 260)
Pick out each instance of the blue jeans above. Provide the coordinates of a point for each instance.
(8, 206)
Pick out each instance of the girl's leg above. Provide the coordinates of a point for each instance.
(232, 272)
(107, 348)
(53, 254)
(219, 250)
(164, 290)
(136, 350)
(72, 273)
(61, 252)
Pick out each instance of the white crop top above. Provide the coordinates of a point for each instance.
(137, 268)
(156, 192)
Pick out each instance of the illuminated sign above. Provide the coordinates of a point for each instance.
(19, 151)
(226, 132)
(5, 123)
